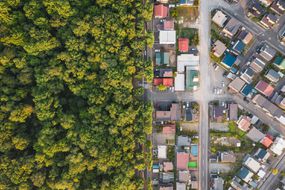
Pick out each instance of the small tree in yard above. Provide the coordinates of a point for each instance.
(161, 87)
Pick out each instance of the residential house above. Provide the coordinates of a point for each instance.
(163, 1)
(183, 44)
(183, 141)
(238, 47)
(255, 9)
(252, 164)
(163, 72)
(245, 174)
(244, 123)
(167, 37)
(180, 186)
(155, 168)
(273, 76)
(219, 113)
(262, 155)
(227, 157)
(236, 85)
(245, 36)
(257, 65)
(278, 146)
(162, 151)
(269, 20)
(233, 112)
(282, 104)
(268, 107)
(267, 52)
(169, 187)
(278, 7)
(166, 177)
(229, 60)
(160, 11)
(248, 75)
(219, 48)
(162, 58)
(167, 166)
(169, 129)
(184, 176)
(194, 184)
(168, 82)
(279, 62)
(179, 82)
(231, 27)
(186, 2)
(182, 159)
(255, 135)
(264, 88)
(247, 91)
(266, 3)
(168, 25)
(220, 18)
(218, 183)
(173, 114)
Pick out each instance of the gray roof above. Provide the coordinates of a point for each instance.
(267, 52)
(272, 75)
(183, 141)
(257, 65)
(267, 105)
(237, 84)
(232, 26)
(233, 112)
(255, 135)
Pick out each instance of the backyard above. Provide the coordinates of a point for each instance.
(190, 33)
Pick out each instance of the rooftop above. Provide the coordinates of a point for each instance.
(229, 60)
(264, 88)
(160, 11)
(183, 44)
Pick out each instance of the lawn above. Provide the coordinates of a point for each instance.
(185, 13)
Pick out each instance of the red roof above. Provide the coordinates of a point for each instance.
(157, 81)
(264, 88)
(182, 160)
(169, 129)
(168, 82)
(160, 11)
(168, 25)
(183, 44)
(266, 141)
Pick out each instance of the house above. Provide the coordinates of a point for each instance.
(238, 47)
(262, 155)
(179, 82)
(273, 76)
(255, 9)
(162, 151)
(163, 1)
(162, 58)
(247, 90)
(219, 48)
(278, 7)
(264, 88)
(184, 176)
(168, 82)
(169, 187)
(255, 135)
(278, 146)
(233, 112)
(169, 129)
(219, 113)
(186, 2)
(257, 65)
(236, 85)
(227, 157)
(218, 183)
(245, 174)
(160, 11)
(268, 107)
(266, 141)
(194, 184)
(167, 166)
(248, 75)
(267, 52)
(183, 141)
(269, 20)
(279, 62)
(229, 60)
(220, 18)
(166, 177)
(187, 60)
(244, 123)
(252, 164)
(167, 37)
(183, 44)
(180, 186)
(182, 159)
(168, 25)
(231, 27)
(245, 36)
(173, 114)
(163, 72)
(266, 3)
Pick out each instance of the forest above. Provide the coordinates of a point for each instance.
(71, 116)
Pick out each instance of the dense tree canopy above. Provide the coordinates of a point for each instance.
(70, 117)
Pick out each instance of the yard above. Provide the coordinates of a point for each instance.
(185, 13)
(190, 33)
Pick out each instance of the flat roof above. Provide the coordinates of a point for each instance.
(167, 37)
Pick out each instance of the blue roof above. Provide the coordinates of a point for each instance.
(194, 150)
(261, 153)
(246, 90)
(185, 2)
(155, 166)
(234, 70)
(243, 172)
(238, 46)
(229, 60)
